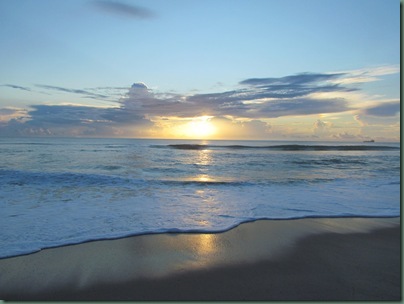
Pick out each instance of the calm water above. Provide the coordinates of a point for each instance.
(63, 191)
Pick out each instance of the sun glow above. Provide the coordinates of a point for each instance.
(199, 127)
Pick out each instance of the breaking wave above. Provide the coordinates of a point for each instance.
(284, 147)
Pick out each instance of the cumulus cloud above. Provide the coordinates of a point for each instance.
(256, 129)
(251, 129)
(123, 9)
(347, 136)
(322, 128)
(320, 125)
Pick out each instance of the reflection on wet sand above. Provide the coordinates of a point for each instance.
(205, 244)
(148, 256)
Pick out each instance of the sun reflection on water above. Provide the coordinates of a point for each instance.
(204, 244)
(204, 157)
(204, 178)
(203, 160)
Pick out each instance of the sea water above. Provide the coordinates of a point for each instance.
(56, 191)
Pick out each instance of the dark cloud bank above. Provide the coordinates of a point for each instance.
(254, 99)
(386, 109)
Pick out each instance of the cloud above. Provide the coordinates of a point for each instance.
(85, 93)
(255, 129)
(285, 87)
(13, 86)
(321, 128)
(303, 106)
(71, 120)
(368, 74)
(360, 120)
(251, 129)
(94, 93)
(295, 85)
(246, 108)
(123, 9)
(145, 101)
(83, 115)
(347, 136)
(257, 98)
(385, 109)
(64, 115)
(7, 114)
(299, 79)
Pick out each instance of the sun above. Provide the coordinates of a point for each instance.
(199, 127)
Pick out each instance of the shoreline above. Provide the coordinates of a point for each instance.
(255, 260)
(192, 231)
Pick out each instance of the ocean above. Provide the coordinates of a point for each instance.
(59, 191)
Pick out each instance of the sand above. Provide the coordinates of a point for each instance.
(304, 259)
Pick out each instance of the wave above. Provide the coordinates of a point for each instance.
(329, 161)
(21, 178)
(79, 180)
(283, 147)
(204, 183)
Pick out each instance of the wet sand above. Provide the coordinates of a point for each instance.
(305, 259)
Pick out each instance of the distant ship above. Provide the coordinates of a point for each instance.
(369, 141)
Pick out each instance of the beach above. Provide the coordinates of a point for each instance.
(300, 259)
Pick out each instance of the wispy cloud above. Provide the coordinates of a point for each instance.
(278, 88)
(84, 93)
(99, 93)
(299, 79)
(13, 86)
(123, 9)
(368, 74)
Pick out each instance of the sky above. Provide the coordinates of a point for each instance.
(201, 69)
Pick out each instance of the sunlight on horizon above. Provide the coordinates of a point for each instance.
(198, 128)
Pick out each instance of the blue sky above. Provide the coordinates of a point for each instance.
(150, 68)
